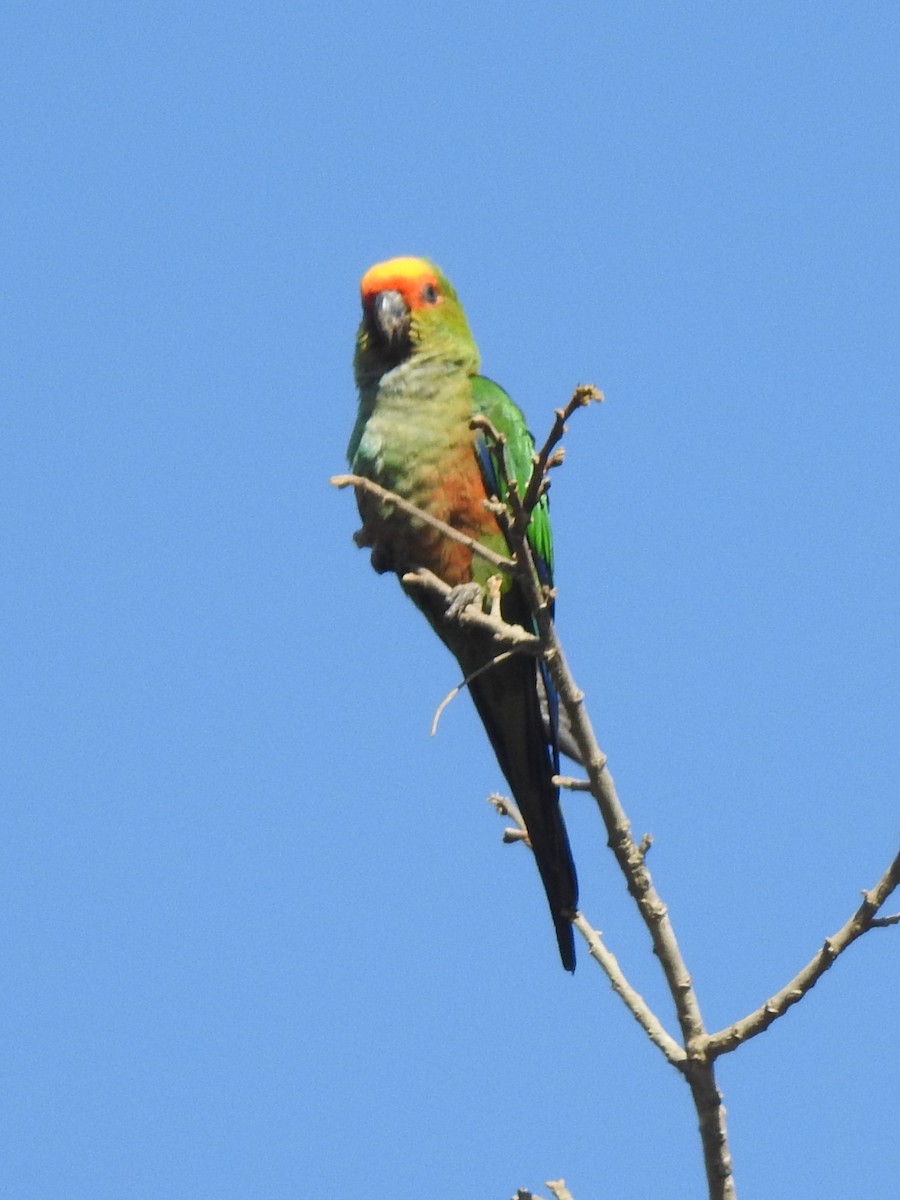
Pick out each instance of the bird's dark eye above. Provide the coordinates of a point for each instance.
(430, 294)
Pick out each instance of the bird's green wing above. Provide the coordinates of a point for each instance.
(489, 400)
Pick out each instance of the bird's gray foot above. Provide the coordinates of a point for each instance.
(463, 596)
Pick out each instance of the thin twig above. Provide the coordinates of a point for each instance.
(583, 395)
(486, 425)
(509, 505)
(631, 998)
(604, 957)
(859, 923)
(454, 692)
(508, 808)
(570, 784)
(366, 485)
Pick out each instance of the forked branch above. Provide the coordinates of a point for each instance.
(695, 1056)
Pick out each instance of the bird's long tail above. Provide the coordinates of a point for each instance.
(509, 696)
(507, 699)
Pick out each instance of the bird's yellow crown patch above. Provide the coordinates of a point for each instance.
(416, 279)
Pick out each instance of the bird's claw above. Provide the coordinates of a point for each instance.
(494, 589)
(463, 596)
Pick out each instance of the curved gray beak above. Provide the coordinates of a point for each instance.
(390, 318)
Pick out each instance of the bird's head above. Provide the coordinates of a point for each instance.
(410, 308)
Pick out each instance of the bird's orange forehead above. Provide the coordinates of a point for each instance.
(404, 275)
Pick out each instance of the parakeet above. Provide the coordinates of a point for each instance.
(416, 366)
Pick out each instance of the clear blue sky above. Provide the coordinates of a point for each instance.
(260, 936)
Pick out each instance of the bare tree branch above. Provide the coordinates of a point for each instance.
(859, 923)
(367, 485)
(512, 636)
(454, 692)
(695, 1059)
(627, 852)
(884, 922)
(583, 395)
(572, 785)
(696, 1067)
(631, 998)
